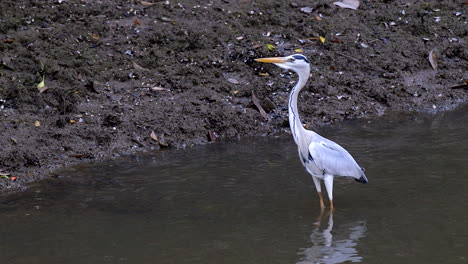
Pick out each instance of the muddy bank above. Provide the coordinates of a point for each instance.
(116, 71)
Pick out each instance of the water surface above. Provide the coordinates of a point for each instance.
(250, 201)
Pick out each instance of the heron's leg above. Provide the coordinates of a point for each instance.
(319, 191)
(328, 179)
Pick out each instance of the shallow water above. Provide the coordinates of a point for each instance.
(252, 202)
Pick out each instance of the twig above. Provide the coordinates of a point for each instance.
(357, 61)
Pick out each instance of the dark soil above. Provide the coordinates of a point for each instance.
(115, 71)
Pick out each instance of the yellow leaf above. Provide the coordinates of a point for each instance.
(37, 124)
(322, 39)
(299, 50)
(271, 47)
(263, 74)
(41, 85)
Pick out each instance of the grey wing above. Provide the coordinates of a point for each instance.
(333, 159)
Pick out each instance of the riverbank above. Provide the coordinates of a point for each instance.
(123, 77)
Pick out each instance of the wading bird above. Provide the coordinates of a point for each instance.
(322, 158)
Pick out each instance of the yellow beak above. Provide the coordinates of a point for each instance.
(272, 60)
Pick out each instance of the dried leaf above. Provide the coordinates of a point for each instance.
(136, 22)
(162, 141)
(144, 3)
(259, 107)
(138, 67)
(9, 41)
(257, 46)
(270, 47)
(353, 4)
(157, 88)
(322, 39)
(318, 18)
(233, 81)
(263, 74)
(154, 136)
(94, 36)
(37, 123)
(299, 50)
(433, 59)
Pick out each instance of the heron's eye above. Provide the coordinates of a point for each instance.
(291, 60)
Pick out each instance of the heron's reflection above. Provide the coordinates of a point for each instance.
(333, 247)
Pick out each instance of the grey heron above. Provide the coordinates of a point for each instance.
(322, 158)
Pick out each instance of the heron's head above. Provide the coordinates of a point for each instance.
(297, 62)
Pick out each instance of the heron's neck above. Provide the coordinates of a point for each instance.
(297, 129)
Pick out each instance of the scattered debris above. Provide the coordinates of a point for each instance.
(153, 136)
(256, 102)
(233, 81)
(463, 86)
(138, 67)
(81, 155)
(352, 4)
(3, 173)
(166, 19)
(157, 88)
(4, 66)
(212, 136)
(41, 86)
(270, 47)
(90, 85)
(37, 123)
(307, 10)
(433, 59)
(161, 141)
(94, 36)
(14, 140)
(322, 39)
(8, 41)
(318, 18)
(147, 4)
